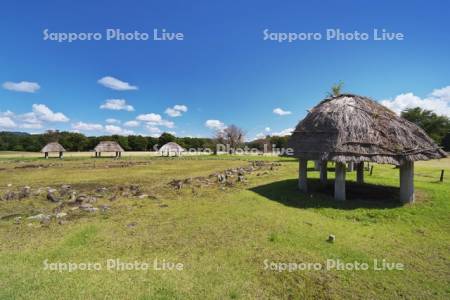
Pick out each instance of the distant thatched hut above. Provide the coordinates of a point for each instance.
(355, 129)
(171, 148)
(53, 147)
(108, 146)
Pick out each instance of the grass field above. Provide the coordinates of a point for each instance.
(222, 234)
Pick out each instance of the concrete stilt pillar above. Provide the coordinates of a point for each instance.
(407, 182)
(303, 175)
(351, 167)
(360, 173)
(339, 182)
(323, 171)
(317, 165)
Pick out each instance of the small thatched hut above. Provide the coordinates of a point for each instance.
(171, 148)
(108, 146)
(355, 129)
(53, 147)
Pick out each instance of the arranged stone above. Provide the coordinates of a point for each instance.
(51, 195)
(331, 238)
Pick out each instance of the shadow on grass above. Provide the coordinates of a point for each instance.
(358, 196)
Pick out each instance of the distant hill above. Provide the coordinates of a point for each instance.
(15, 132)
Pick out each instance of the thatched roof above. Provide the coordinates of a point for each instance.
(53, 147)
(171, 147)
(351, 128)
(108, 146)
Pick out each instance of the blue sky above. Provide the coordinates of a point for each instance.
(223, 71)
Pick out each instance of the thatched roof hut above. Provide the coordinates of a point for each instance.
(108, 146)
(53, 147)
(351, 128)
(171, 147)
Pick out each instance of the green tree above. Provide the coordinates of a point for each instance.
(137, 143)
(165, 138)
(446, 142)
(435, 126)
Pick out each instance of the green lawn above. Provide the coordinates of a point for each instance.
(223, 234)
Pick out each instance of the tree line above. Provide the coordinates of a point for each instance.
(19, 141)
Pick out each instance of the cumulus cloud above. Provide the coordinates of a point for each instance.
(116, 84)
(281, 112)
(31, 125)
(155, 120)
(41, 113)
(267, 129)
(81, 126)
(117, 104)
(260, 135)
(284, 132)
(23, 86)
(132, 123)
(153, 129)
(215, 124)
(149, 117)
(177, 110)
(437, 101)
(112, 121)
(7, 122)
(113, 129)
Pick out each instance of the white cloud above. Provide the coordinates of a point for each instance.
(215, 124)
(260, 135)
(153, 129)
(284, 132)
(177, 110)
(165, 123)
(23, 86)
(81, 126)
(117, 104)
(131, 123)
(149, 117)
(113, 129)
(281, 112)
(438, 101)
(155, 120)
(112, 121)
(31, 125)
(7, 122)
(43, 113)
(267, 129)
(116, 84)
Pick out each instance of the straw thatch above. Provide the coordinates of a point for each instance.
(351, 128)
(53, 147)
(171, 147)
(108, 146)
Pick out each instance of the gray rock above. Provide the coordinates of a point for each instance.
(9, 195)
(81, 198)
(61, 215)
(25, 192)
(65, 189)
(39, 217)
(88, 207)
(51, 195)
(331, 238)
